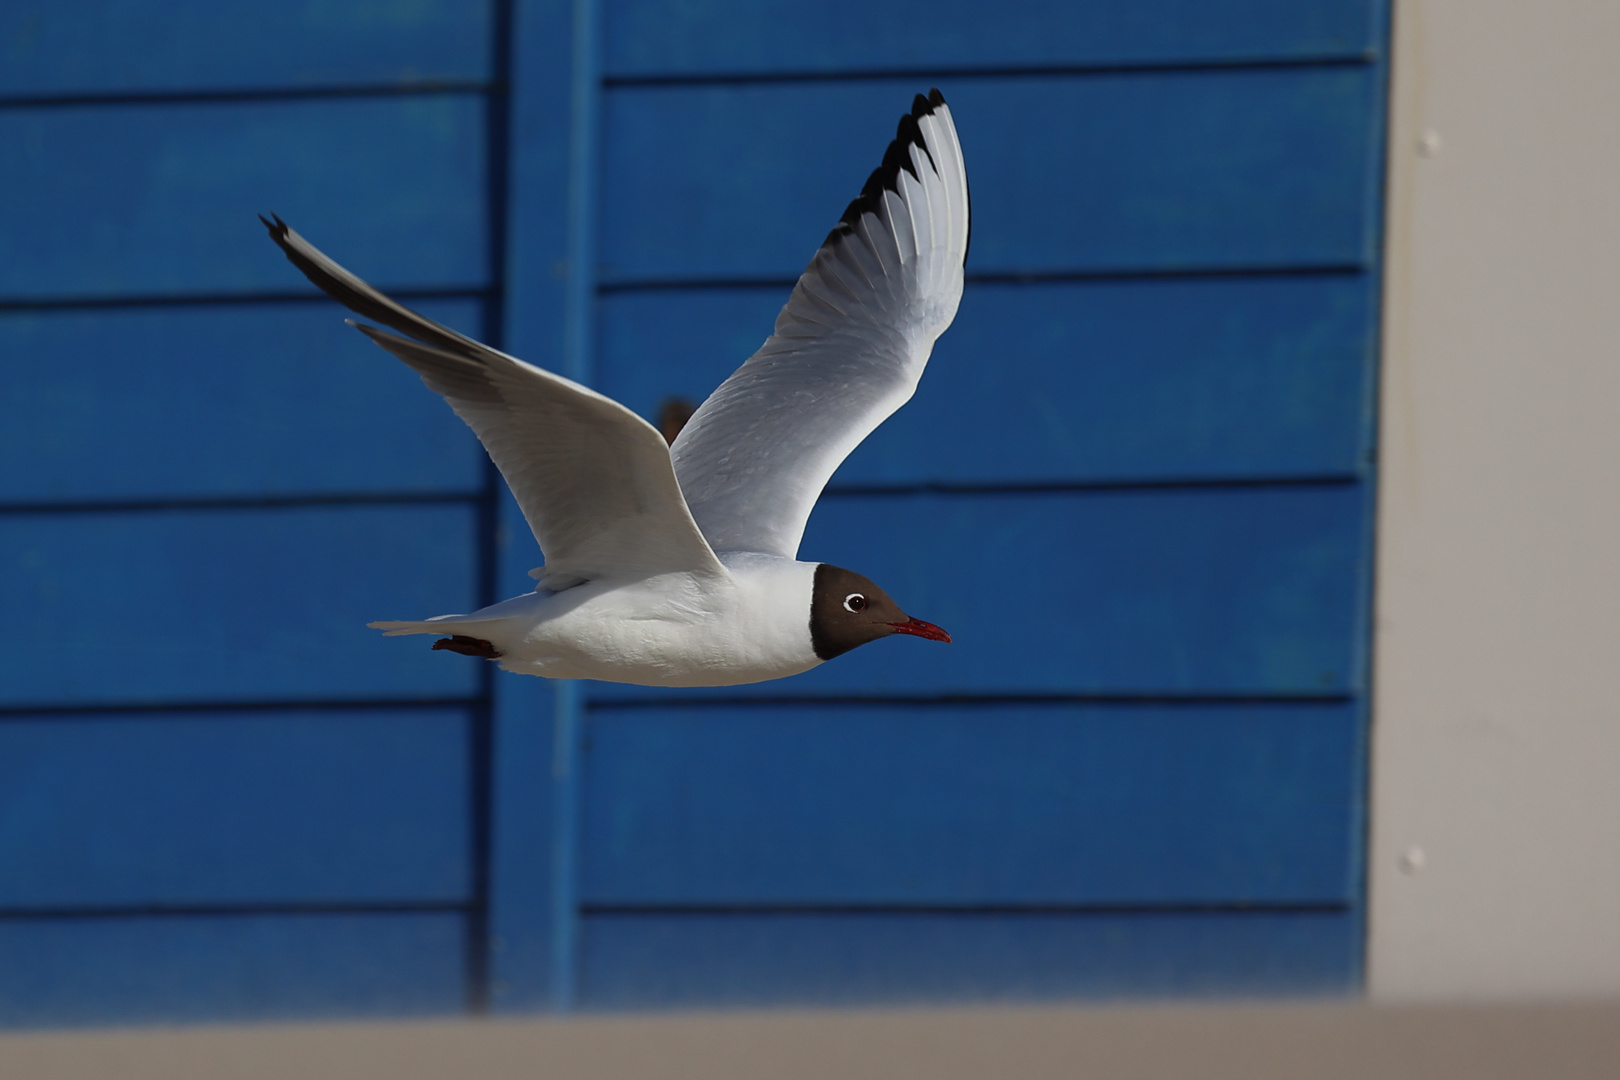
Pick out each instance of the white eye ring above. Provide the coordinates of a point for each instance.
(855, 602)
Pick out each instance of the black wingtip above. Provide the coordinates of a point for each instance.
(278, 232)
(924, 106)
(886, 177)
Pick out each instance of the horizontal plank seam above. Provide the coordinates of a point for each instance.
(1019, 277)
(233, 95)
(166, 300)
(935, 72)
(1144, 698)
(1227, 907)
(1170, 273)
(458, 292)
(1123, 484)
(114, 709)
(116, 911)
(247, 502)
(411, 498)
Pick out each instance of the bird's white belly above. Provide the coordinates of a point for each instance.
(670, 631)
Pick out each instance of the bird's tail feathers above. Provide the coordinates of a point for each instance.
(483, 623)
(439, 624)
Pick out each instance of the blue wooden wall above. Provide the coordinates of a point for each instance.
(1135, 485)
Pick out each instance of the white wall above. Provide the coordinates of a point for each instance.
(1496, 725)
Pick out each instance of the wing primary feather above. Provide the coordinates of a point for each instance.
(356, 295)
(451, 374)
(909, 135)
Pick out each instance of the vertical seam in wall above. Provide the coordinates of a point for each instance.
(565, 845)
(1378, 198)
(481, 735)
(578, 346)
(585, 93)
(1402, 88)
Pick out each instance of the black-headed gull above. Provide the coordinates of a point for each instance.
(677, 565)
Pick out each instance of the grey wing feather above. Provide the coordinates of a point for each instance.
(847, 351)
(594, 480)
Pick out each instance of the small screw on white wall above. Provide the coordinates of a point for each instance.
(1428, 143)
(1412, 860)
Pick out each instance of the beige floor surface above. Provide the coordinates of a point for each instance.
(1242, 1042)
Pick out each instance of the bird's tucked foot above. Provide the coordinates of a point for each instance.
(468, 646)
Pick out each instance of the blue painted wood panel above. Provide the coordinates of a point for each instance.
(1244, 138)
(982, 805)
(160, 199)
(111, 46)
(1075, 173)
(233, 605)
(1222, 377)
(1191, 591)
(694, 37)
(734, 958)
(221, 401)
(70, 971)
(528, 902)
(198, 809)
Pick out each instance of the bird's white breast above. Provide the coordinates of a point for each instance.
(680, 629)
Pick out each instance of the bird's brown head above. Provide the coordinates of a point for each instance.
(848, 610)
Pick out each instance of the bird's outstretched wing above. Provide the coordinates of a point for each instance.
(848, 349)
(593, 479)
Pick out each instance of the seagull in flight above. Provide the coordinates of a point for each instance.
(677, 564)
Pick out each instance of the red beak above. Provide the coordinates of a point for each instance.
(918, 628)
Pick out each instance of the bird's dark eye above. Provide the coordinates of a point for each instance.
(855, 602)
